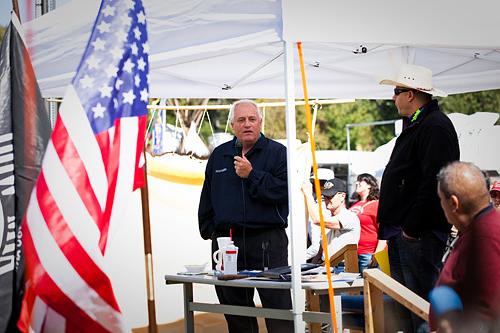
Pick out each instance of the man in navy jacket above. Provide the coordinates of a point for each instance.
(409, 215)
(245, 195)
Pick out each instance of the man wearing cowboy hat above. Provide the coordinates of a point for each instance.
(409, 215)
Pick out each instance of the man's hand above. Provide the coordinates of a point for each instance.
(332, 223)
(242, 166)
(306, 187)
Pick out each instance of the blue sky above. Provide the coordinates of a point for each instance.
(6, 7)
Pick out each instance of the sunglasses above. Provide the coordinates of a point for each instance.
(495, 194)
(398, 91)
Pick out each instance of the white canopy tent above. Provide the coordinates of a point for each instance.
(231, 49)
(245, 48)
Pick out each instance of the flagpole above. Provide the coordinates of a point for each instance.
(148, 252)
(15, 8)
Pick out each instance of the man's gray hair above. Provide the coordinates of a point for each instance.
(243, 101)
(466, 181)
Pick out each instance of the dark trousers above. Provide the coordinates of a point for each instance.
(415, 264)
(257, 249)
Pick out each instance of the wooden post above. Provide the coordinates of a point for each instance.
(15, 8)
(374, 308)
(148, 252)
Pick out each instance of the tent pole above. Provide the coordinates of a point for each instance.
(297, 230)
(148, 251)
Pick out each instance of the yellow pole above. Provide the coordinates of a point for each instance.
(317, 188)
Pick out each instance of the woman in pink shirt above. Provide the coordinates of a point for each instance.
(367, 192)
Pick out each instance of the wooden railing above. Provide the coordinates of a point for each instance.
(348, 254)
(378, 283)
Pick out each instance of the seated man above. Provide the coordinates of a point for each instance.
(471, 263)
(343, 225)
(314, 230)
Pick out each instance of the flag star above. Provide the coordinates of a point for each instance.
(137, 80)
(92, 61)
(127, 67)
(137, 33)
(126, 20)
(108, 11)
(87, 81)
(129, 3)
(98, 44)
(98, 111)
(106, 91)
(129, 97)
(118, 84)
(144, 95)
(141, 64)
(111, 70)
(103, 27)
(145, 47)
(141, 17)
(135, 49)
(117, 52)
(121, 36)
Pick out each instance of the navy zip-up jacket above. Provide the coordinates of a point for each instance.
(408, 192)
(259, 201)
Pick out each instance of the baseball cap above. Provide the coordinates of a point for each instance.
(332, 186)
(323, 174)
(495, 187)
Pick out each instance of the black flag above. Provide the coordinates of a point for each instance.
(24, 133)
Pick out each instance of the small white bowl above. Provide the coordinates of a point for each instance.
(194, 269)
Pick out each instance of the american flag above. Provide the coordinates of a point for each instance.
(91, 166)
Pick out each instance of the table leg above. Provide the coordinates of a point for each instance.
(188, 314)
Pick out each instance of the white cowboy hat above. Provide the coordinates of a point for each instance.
(414, 77)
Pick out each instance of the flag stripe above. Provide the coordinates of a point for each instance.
(50, 293)
(72, 249)
(63, 276)
(72, 209)
(140, 162)
(75, 170)
(38, 315)
(129, 138)
(112, 171)
(77, 125)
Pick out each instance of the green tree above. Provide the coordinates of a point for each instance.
(2, 31)
(330, 131)
(469, 103)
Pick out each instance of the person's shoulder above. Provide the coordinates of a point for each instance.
(274, 145)
(223, 148)
(438, 118)
(346, 213)
(372, 204)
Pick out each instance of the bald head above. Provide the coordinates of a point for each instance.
(467, 183)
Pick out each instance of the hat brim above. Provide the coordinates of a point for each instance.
(433, 91)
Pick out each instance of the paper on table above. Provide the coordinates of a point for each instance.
(346, 277)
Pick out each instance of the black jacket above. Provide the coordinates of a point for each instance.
(408, 192)
(260, 201)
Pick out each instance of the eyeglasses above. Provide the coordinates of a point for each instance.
(495, 194)
(398, 91)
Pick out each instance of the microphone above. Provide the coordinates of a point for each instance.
(238, 148)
